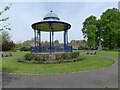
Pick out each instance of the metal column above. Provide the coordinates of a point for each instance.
(52, 41)
(35, 39)
(50, 27)
(65, 41)
(39, 40)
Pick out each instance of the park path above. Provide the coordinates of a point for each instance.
(102, 78)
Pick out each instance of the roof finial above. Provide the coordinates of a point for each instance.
(51, 11)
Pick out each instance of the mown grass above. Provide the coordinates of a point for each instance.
(80, 50)
(108, 53)
(22, 53)
(112, 53)
(10, 65)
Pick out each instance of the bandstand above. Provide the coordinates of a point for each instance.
(50, 23)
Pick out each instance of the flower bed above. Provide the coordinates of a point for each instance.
(47, 57)
(39, 58)
(51, 61)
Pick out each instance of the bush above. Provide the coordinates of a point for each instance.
(14, 49)
(36, 57)
(29, 56)
(81, 47)
(58, 57)
(49, 57)
(25, 49)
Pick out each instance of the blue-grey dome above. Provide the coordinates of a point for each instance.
(51, 16)
(52, 19)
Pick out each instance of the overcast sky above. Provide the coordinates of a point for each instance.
(23, 14)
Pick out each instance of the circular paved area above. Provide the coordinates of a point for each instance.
(102, 78)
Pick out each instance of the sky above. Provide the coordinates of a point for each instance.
(23, 14)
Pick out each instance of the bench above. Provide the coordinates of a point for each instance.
(6, 54)
(91, 52)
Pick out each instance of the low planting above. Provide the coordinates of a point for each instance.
(23, 60)
(49, 58)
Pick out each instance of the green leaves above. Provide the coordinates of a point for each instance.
(4, 27)
(89, 30)
(109, 21)
(106, 29)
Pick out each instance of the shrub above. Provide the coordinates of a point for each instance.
(29, 56)
(50, 62)
(37, 62)
(25, 49)
(14, 49)
(74, 55)
(49, 57)
(58, 57)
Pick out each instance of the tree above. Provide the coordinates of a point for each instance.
(7, 45)
(5, 36)
(91, 35)
(111, 27)
(56, 41)
(105, 30)
(25, 44)
(4, 27)
(89, 31)
(72, 41)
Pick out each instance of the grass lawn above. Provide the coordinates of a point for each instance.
(22, 53)
(108, 53)
(80, 50)
(111, 53)
(10, 65)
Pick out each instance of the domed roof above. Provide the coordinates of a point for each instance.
(51, 19)
(51, 15)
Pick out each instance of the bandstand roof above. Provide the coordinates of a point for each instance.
(52, 19)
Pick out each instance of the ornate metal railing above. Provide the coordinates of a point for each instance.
(43, 49)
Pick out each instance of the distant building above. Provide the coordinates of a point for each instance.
(33, 45)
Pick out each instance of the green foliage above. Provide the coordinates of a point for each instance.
(56, 42)
(25, 46)
(6, 43)
(49, 57)
(14, 49)
(110, 24)
(91, 35)
(4, 27)
(105, 29)
(29, 56)
(25, 49)
(89, 31)
(5, 36)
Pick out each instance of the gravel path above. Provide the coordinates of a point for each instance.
(102, 78)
